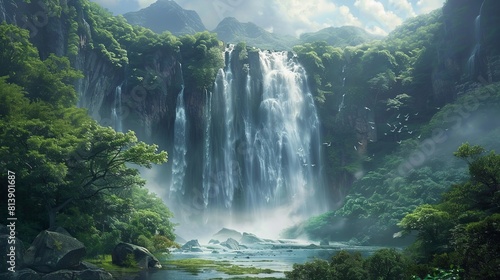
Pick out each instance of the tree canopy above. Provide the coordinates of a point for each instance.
(65, 162)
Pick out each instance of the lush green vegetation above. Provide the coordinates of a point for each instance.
(339, 36)
(463, 228)
(71, 171)
(195, 266)
(202, 55)
(461, 231)
(383, 264)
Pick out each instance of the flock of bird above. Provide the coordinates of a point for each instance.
(397, 126)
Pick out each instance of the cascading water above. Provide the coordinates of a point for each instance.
(343, 85)
(472, 63)
(116, 112)
(180, 148)
(263, 145)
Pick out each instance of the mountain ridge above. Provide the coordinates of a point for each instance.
(167, 15)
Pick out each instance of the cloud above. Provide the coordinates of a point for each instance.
(297, 16)
(402, 7)
(426, 6)
(378, 17)
(282, 16)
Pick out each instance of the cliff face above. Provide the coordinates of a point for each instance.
(146, 107)
(470, 42)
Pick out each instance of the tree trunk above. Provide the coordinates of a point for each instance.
(52, 216)
(52, 211)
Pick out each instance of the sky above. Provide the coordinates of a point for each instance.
(294, 17)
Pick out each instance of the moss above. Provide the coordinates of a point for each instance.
(105, 262)
(195, 266)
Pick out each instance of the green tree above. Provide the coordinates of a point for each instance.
(387, 264)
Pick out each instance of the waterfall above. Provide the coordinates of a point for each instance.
(2, 9)
(180, 148)
(116, 111)
(263, 145)
(220, 154)
(473, 62)
(206, 148)
(343, 86)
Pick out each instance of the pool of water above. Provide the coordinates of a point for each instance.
(277, 258)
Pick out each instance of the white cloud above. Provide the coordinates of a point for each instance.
(297, 16)
(314, 15)
(376, 30)
(425, 6)
(403, 7)
(379, 16)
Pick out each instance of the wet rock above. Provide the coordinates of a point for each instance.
(249, 238)
(52, 251)
(17, 257)
(226, 233)
(142, 256)
(190, 244)
(231, 244)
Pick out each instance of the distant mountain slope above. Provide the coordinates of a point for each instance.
(339, 36)
(230, 30)
(166, 15)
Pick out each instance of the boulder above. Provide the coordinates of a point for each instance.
(3, 229)
(226, 233)
(249, 238)
(17, 259)
(190, 244)
(24, 274)
(52, 251)
(89, 274)
(141, 255)
(231, 244)
(59, 230)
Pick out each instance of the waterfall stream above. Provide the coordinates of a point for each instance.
(116, 112)
(180, 149)
(262, 142)
(473, 62)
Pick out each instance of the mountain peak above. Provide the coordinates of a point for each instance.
(231, 30)
(167, 15)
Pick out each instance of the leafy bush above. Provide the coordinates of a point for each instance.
(384, 264)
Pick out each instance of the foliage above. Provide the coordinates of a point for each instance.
(466, 223)
(194, 266)
(387, 264)
(438, 274)
(203, 58)
(383, 264)
(339, 36)
(81, 175)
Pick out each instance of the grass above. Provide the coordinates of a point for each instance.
(105, 262)
(195, 266)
